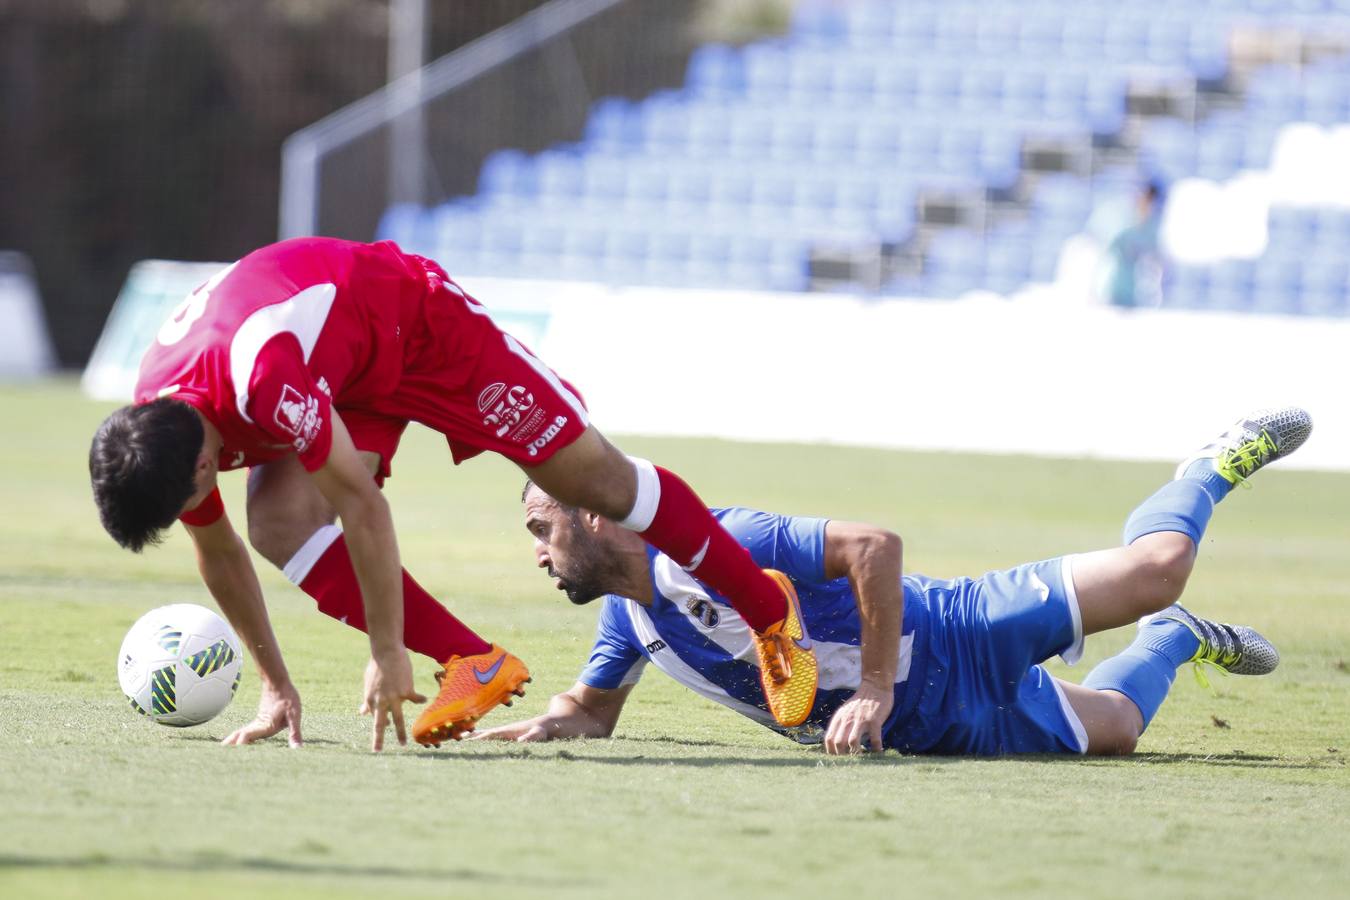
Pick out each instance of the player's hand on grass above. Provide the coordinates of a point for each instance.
(278, 710)
(389, 682)
(525, 732)
(858, 720)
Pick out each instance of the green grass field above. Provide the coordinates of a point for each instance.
(1240, 792)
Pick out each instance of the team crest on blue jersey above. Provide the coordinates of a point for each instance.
(704, 611)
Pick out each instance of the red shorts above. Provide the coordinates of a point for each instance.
(472, 382)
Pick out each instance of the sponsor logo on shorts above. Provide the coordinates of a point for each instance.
(298, 414)
(655, 645)
(530, 426)
(490, 395)
(703, 610)
(507, 408)
(549, 434)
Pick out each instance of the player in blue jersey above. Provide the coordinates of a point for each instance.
(913, 663)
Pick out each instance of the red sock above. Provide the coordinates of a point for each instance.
(428, 627)
(682, 528)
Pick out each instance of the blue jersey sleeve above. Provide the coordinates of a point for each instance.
(616, 659)
(794, 545)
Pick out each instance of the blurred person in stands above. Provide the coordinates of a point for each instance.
(1129, 272)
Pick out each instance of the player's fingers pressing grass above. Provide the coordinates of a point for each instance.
(856, 726)
(277, 711)
(381, 723)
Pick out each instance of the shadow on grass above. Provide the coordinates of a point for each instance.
(1227, 760)
(1245, 760)
(220, 863)
(575, 752)
(808, 759)
(274, 740)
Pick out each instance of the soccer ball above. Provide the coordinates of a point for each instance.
(180, 665)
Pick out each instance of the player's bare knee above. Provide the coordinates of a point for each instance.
(1164, 564)
(268, 539)
(278, 532)
(1172, 563)
(1119, 743)
(1114, 735)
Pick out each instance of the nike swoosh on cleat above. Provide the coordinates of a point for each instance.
(486, 675)
(805, 643)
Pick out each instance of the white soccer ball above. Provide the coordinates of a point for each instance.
(180, 665)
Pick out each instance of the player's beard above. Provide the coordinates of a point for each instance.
(589, 571)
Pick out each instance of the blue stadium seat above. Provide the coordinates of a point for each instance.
(748, 134)
(980, 88)
(1168, 149)
(897, 82)
(612, 125)
(936, 87)
(716, 70)
(507, 173)
(818, 21)
(1274, 91)
(1185, 286)
(766, 72)
(1220, 152)
(688, 192)
(402, 223)
(1231, 284)
(1007, 261)
(1322, 303)
(1045, 252)
(560, 176)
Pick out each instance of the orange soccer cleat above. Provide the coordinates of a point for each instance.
(787, 664)
(470, 687)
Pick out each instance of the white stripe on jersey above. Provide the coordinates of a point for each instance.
(840, 665)
(669, 662)
(547, 374)
(303, 315)
(535, 363)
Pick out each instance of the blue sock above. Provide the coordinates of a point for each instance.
(1184, 505)
(1145, 670)
(1203, 471)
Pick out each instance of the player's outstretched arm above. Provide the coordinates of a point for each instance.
(369, 529)
(871, 559)
(582, 712)
(228, 572)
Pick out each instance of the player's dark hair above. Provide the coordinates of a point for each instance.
(141, 465)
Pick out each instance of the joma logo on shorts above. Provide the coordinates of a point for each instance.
(549, 434)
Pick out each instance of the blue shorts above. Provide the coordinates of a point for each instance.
(981, 689)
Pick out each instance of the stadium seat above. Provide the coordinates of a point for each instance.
(830, 132)
(716, 71)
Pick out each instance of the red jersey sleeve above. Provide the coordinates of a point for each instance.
(286, 405)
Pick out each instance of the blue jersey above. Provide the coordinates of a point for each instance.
(694, 635)
(967, 674)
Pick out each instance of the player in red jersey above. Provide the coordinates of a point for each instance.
(304, 361)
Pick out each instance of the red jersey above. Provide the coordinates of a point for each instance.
(267, 347)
